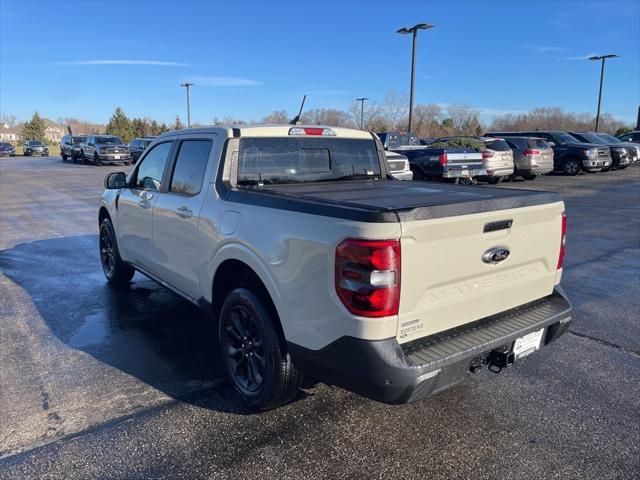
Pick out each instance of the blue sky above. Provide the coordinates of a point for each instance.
(83, 59)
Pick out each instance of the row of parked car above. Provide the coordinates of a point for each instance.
(500, 156)
(102, 149)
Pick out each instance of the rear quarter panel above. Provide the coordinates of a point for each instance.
(293, 254)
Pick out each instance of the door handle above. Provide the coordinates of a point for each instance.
(184, 212)
(145, 198)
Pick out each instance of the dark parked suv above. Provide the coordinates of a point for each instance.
(101, 149)
(139, 145)
(69, 146)
(570, 154)
(35, 147)
(621, 156)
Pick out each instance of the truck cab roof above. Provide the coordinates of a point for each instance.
(268, 130)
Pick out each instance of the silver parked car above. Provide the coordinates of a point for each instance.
(399, 166)
(531, 156)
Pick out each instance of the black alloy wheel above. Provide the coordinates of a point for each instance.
(243, 347)
(107, 252)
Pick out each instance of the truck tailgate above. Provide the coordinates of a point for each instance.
(445, 281)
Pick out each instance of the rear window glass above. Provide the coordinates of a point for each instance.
(294, 160)
(497, 145)
(538, 144)
(108, 141)
(564, 138)
(397, 140)
(591, 138)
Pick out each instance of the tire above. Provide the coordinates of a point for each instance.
(83, 158)
(529, 176)
(64, 158)
(254, 352)
(116, 271)
(571, 167)
(96, 159)
(494, 180)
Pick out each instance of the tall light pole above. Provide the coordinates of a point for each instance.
(187, 85)
(414, 31)
(602, 58)
(361, 100)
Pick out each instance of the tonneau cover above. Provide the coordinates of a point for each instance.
(408, 200)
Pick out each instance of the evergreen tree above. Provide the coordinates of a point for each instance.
(34, 129)
(178, 124)
(120, 125)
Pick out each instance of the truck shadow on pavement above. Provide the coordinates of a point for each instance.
(143, 330)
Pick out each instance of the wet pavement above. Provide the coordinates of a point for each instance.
(104, 383)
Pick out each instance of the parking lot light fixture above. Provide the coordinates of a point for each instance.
(361, 100)
(187, 85)
(414, 31)
(602, 58)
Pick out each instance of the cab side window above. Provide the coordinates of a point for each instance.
(150, 172)
(190, 167)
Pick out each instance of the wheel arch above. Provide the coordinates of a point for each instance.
(102, 214)
(232, 273)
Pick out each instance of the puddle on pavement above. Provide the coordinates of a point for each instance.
(94, 330)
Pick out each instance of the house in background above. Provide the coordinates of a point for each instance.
(10, 134)
(53, 131)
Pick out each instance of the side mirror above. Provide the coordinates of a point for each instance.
(115, 180)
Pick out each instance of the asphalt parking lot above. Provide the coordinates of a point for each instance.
(100, 383)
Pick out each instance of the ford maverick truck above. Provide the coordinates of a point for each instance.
(314, 262)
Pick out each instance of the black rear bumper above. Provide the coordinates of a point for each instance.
(386, 371)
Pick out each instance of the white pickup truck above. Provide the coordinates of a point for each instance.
(315, 262)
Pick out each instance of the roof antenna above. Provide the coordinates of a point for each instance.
(69, 128)
(296, 119)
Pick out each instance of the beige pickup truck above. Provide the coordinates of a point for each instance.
(315, 262)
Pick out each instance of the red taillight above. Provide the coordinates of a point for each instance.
(487, 154)
(368, 276)
(531, 152)
(443, 159)
(313, 131)
(563, 241)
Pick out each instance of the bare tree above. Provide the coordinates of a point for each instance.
(428, 120)
(8, 119)
(554, 118)
(464, 119)
(328, 116)
(396, 109)
(228, 121)
(277, 117)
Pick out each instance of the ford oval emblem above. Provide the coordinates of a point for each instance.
(496, 255)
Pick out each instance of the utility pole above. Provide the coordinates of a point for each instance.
(414, 31)
(187, 85)
(361, 100)
(602, 58)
